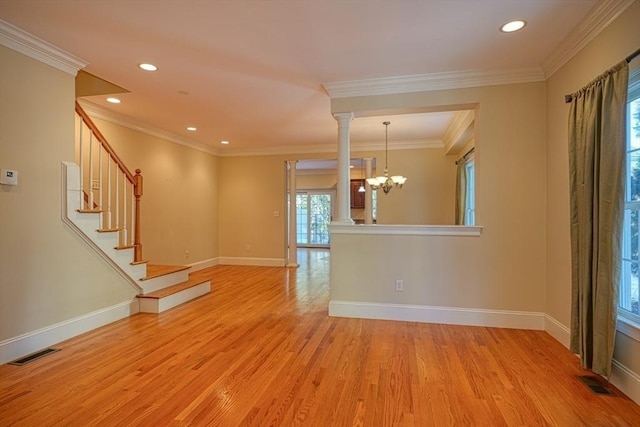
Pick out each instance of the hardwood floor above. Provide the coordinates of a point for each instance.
(260, 350)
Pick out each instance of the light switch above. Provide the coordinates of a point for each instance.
(8, 177)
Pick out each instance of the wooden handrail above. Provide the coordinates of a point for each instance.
(105, 144)
(134, 180)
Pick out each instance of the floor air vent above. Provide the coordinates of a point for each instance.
(595, 385)
(33, 356)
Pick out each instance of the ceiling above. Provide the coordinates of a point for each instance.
(255, 73)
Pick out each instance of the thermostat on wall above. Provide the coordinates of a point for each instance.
(8, 177)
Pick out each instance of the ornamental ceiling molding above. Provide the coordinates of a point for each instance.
(27, 44)
(331, 148)
(598, 18)
(99, 112)
(603, 14)
(431, 82)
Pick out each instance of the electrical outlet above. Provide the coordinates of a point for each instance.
(186, 253)
(95, 184)
(399, 285)
(248, 248)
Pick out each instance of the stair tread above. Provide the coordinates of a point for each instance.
(121, 247)
(107, 230)
(154, 270)
(89, 210)
(162, 293)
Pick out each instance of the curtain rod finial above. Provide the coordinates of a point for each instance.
(568, 98)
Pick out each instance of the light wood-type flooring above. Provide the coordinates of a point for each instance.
(260, 350)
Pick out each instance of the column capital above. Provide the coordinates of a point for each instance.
(343, 117)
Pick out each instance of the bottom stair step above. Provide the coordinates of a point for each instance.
(164, 299)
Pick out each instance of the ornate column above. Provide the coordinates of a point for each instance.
(344, 152)
(293, 231)
(368, 199)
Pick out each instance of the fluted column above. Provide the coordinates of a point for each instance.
(368, 199)
(344, 152)
(293, 220)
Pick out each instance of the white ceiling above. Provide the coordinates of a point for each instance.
(252, 72)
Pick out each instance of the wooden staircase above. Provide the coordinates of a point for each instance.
(159, 287)
(102, 220)
(170, 296)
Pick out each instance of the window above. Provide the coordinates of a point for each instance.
(470, 195)
(629, 275)
(313, 215)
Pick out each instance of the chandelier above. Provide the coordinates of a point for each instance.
(386, 182)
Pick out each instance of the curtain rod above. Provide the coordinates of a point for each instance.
(568, 98)
(471, 150)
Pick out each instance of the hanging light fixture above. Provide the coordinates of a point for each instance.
(361, 189)
(386, 182)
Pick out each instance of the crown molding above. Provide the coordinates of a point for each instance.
(38, 49)
(431, 82)
(102, 113)
(330, 148)
(598, 18)
(457, 128)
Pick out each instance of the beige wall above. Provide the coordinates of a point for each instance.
(47, 274)
(428, 197)
(616, 42)
(316, 181)
(251, 189)
(180, 203)
(504, 268)
(247, 204)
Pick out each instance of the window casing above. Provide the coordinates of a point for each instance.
(470, 195)
(629, 283)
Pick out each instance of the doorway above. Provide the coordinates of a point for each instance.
(314, 210)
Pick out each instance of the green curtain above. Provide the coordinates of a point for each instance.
(597, 152)
(461, 192)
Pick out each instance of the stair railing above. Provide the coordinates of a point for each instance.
(107, 184)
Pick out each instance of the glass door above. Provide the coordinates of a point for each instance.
(313, 215)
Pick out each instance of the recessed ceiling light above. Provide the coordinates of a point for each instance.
(512, 26)
(113, 100)
(224, 142)
(148, 67)
(192, 128)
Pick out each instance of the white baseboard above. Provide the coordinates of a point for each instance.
(557, 330)
(433, 314)
(622, 377)
(626, 381)
(14, 348)
(201, 265)
(263, 262)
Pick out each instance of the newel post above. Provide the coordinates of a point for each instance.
(137, 192)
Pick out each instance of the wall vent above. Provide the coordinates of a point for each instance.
(595, 385)
(33, 356)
